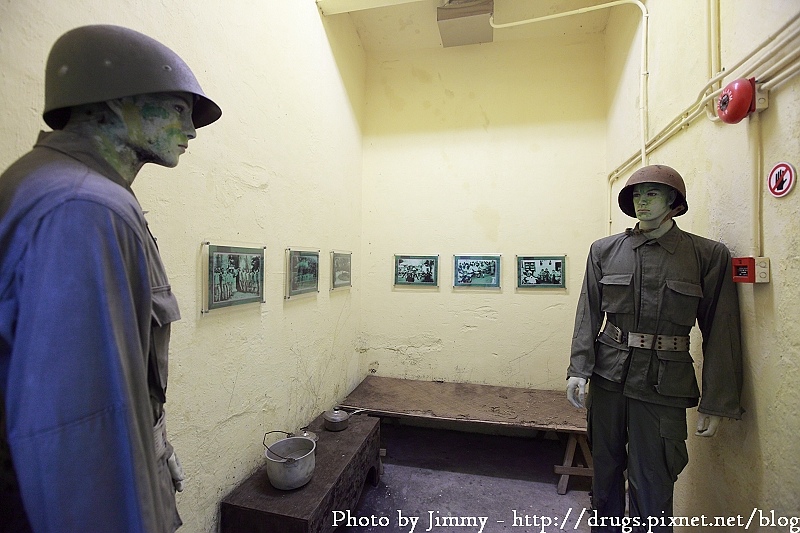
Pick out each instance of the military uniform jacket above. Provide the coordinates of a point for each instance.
(85, 308)
(663, 287)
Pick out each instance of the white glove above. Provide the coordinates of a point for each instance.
(707, 424)
(576, 385)
(176, 471)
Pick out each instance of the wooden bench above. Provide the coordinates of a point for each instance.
(485, 405)
(344, 461)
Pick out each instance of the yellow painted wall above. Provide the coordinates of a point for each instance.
(498, 148)
(494, 148)
(281, 168)
(482, 149)
(751, 463)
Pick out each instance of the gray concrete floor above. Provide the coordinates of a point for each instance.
(440, 480)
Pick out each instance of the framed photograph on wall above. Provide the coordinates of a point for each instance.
(476, 271)
(341, 270)
(302, 272)
(416, 270)
(540, 272)
(234, 276)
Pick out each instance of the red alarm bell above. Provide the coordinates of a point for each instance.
(738, 99)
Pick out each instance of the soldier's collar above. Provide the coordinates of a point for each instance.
(669, 241)
(79, 148)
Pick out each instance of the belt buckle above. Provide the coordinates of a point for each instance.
(619, 335)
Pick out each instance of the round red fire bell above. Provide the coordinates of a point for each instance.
(738, 99)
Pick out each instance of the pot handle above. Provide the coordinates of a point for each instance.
(288, 459)
(351, 413)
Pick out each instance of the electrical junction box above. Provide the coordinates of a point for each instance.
(750, 269)
(762, 270)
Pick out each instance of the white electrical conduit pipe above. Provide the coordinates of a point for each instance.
(761, 60)
(750, 67)
(703, 97)
(687, 118)
(770, 84)
(780, 67)
(696, 109)
(643, 67)
(729, 72)
(692, 112)
(714, 49)
(758, 191)
(664, 135)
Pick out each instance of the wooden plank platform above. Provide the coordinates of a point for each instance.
(489, 405)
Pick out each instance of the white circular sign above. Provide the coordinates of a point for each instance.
(781, 179)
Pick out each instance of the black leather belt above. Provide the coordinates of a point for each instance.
(648, 341)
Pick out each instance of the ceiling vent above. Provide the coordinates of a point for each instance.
(465, 22)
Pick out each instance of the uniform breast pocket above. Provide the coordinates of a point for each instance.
(165, 311)
(617, 293)
(165, 306)
(681, 299)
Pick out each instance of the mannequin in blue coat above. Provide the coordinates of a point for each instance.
(85, 303)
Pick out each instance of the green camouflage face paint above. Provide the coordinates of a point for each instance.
(159, 126)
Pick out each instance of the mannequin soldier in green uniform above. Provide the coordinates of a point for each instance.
(642, 293)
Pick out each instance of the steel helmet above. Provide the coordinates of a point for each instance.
(101, 62)
(653, 174)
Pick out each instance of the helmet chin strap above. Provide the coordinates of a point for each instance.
(675, 211)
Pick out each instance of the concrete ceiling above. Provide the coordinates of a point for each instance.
(399, 25)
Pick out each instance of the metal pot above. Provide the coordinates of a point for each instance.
(290, 462)
(305, 432)
(336, 419)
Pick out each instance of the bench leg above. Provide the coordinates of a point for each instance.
(587, 453)
(569, 457)
(567, 469)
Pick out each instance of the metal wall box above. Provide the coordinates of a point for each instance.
(463, 23)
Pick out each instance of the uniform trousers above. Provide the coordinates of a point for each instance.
(646, 439)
